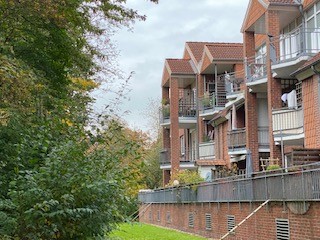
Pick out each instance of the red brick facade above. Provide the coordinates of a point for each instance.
(261, 226)
(311, 112)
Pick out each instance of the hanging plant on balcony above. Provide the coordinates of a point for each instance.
(165, 107)
(206, 99)
(166, 110)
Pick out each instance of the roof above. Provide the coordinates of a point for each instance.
(226, 51)
(196, 49)
(314, 60)
(264, 5)
(180, 66)
(283, 2)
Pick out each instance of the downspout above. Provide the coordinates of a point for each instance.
(303, 21)
(197, 114)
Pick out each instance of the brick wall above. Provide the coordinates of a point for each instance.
(252, 127)
(261, 226)
(174, 126)
(311, 112)
(274, 85)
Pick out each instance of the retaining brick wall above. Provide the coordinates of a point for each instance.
(261, 226)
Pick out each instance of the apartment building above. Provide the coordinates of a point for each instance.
(239, 107)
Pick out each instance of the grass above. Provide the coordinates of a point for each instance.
(138, 231)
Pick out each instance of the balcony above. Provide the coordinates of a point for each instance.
(295, 48)
(233, 81)
(187, 158)
(186, 112)
(256, 73)
(211, 103)
(237, 141)
(288, 126)
(206, 151)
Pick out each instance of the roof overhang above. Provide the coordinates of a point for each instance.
(256, 22)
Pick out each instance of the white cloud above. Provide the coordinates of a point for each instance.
(168, 26)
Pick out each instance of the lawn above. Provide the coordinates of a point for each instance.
(138, 231)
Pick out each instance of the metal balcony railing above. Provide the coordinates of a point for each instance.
(299, 42)
(187, 110)
(206, 150)
(186, 155)
(292, 184)
(287, 121)
(164, 114)
(165, 156)
(255, 68)
(237, 139)
(233, 81)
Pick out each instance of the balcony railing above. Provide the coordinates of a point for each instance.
(206, 150)
(165, 156)
(298, 184)
(255, 68)
(287, 121)
(184, 110)
(187, 110)
(233, 81)
(186, 155)
(299, 42)
(164, 114)
(212, 102)
(237, 139)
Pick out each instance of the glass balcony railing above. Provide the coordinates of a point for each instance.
(287, 122)
(299, 42)
(255, 68)
(206, 150)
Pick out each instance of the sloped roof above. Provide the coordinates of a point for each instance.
(225, 51)
(196, 49)
(283, 2)
(180, 66)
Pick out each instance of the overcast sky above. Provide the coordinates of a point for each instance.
(169, 25)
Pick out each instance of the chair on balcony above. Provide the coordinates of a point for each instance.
(265, 163)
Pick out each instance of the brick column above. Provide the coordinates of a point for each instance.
(252, 127)
(251, 116)
(165, 139)
(274, 85)
(200, 94)
(174, 126)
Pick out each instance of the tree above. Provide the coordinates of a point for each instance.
(57, 179)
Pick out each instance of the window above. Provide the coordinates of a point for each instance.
(282, 229)
(168, 217)
(182, 146)
(191, 220)
(231, 222)
(208, 219)
(158, 216)
(150, 215)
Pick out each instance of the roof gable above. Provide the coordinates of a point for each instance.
(255, 9)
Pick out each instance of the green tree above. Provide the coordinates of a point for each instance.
(58, 180)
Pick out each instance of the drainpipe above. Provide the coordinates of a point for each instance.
(197, 114)
(216, 83)
(303, 20)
